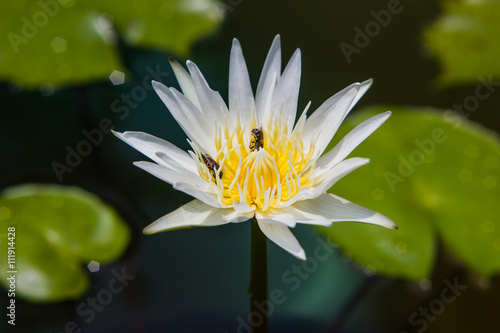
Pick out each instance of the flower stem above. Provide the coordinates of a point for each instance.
(258, 280)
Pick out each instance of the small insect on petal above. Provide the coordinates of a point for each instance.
(212, 165)
(257, 139)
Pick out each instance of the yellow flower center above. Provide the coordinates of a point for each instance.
(263, 167)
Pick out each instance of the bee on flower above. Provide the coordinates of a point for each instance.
(257, 140)
(252, 159)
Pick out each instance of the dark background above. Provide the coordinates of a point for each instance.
(196, 280)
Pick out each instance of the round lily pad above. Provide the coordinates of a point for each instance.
(51, 43)
(58, 231)
(436, 175)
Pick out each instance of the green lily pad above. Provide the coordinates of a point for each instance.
(58, 231)
(465, 41)
(50, 43)
(436, 175)
(172, 25)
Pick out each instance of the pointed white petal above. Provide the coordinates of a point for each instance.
(240, 91)
(175, 164)
(195, 192)
(242, 207)
(303, 194)
(194, 186)
(186, 82)
(190, 119)
(363, 88)
(212, 104)
(351, 141)
(290, 216)
(286, 94)
(299, 126)
(283, 237)
(236, 217)
(325, 121)
(267, 82)
(150, 146)
(205, 126)
(169, 175)
(336, 173)
(277, 216)
(337, 209)
(192, 214)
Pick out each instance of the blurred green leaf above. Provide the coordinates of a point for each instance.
(49, 43)
(465, 40)
(436, 175)
(171, 25)
(59, 230)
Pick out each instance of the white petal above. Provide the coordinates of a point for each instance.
(150, 146)
(277, 216)
(267, 82)
(190, 119)
(212, 104)
(204, 126)
(240, 91)
(195, 192)
(283, 237)
(336, 173)
(173, 163)
(301, 195)
(194, 186)
(337, 209)
(236, 217)
(325, 121)
(299, 126)
(352, 140)
(242, 207)
(186, 82)
(290, 216)
(286, 94)
(192, 214)
(363, 88)
(170, 175)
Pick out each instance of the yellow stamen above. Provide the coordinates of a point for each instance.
(265, 177)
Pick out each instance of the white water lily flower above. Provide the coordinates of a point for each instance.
(249, 159)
